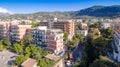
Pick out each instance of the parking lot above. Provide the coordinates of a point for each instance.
(6, 57)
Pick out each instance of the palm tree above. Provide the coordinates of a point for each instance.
(28, 39)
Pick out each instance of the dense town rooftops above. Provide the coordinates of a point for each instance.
(59, 21)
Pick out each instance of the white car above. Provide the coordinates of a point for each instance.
(68, 63)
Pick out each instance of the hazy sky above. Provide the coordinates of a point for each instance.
(31, 6)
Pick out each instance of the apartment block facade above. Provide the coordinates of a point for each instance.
(39, 35)
(17, 32)
(13, 31)
(4, 30)
(65, 26)
(54, 40)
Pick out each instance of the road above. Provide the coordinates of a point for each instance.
(77, 53)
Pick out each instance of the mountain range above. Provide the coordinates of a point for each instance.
(100, 11)
(95, 11)
(4, 12)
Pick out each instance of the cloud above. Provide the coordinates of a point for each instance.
(3, 10)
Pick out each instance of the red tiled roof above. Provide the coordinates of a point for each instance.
(29, 63)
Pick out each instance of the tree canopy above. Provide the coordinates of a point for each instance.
(79, 36)
(6, 42)
(28, 39)
(35, 25)
(101, 63)
(65, 36)
(109, 33)
(1, 45)
(18, 48)
(20, 59)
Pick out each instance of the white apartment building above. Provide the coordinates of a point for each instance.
(13, 31)
(39, 35)
(55, 40)
(83, 32)
(106, 25)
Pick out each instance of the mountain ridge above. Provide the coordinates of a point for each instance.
(95, 11)
(101, 11)
(4, 12)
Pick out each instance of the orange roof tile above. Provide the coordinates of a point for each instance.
(29, 63)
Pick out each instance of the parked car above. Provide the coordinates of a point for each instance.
(68, 63)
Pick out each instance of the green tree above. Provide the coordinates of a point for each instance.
(18, 48)
(28, 39)
(31, 50)
(79, 36)
(76, 27)
(90, 52)
(27, 50)
(35, 25)
(7, 42)
(65, 36)
(42, 63)
(35, 52)
(37, 55)
(20, 59)
(97, 24)
(101, 63)
(109, 33)
(95, 33)
(100, 42)
(73, 43)
(1, 45)
(83, 61)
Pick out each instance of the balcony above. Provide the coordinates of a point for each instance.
(14, 36)
(2, 27)
(14, 27)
